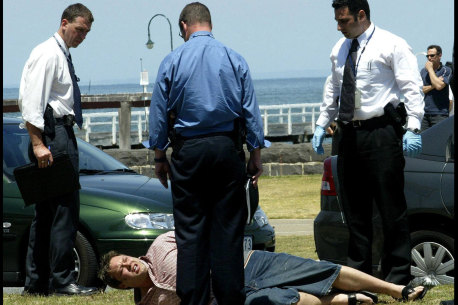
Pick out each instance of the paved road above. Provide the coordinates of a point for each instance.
(282, 227)
(292, 226)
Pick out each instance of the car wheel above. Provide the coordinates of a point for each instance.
(86, 266)
(433, 257)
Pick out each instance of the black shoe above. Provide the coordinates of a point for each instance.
(75, 289)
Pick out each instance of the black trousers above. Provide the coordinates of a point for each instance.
(210, 213)
(371, 168)
(49, 262)
(429, 120)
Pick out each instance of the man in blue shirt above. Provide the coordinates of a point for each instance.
(204, 91)
(436, 80)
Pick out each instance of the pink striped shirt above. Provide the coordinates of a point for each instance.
(162, 262)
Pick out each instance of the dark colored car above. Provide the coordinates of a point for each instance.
(429, 191)
(120, 210)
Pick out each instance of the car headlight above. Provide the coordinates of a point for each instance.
(150, 221)
(260, 217)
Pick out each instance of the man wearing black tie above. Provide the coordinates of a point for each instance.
(371, 69)
(50, 103)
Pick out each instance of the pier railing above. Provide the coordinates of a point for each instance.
(287, 122)
(295, 122)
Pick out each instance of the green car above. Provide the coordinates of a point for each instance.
(120, 210)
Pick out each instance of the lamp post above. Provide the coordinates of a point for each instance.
(150, 44)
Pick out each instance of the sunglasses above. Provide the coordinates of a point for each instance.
(430, 55)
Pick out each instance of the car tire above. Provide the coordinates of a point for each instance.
(433, 257)
(86, 266)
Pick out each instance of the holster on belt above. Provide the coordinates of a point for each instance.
(397, 117)
(50, 123)
(171, 131)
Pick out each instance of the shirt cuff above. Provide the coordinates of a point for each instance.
(413, 123)
(148, 145)
(251, 147)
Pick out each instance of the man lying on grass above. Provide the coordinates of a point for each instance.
(270, 278)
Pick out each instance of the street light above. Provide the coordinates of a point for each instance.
(150, 44)
(420, 53)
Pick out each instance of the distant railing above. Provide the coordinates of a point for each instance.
(281, 122)
(288, 115)
(110, 121)
(291, 113)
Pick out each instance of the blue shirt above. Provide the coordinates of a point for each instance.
(437, 101)
(208, 85)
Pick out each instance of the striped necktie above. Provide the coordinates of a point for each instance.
(76, 94)
(347, 97)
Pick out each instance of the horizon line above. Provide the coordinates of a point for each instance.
(131, 82)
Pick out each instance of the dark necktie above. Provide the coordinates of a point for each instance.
(76, 94)
(347, 98)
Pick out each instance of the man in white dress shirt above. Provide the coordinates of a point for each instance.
(371, 118)
(50, 102)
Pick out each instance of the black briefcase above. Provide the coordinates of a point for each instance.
(39, 184)
(252, 199)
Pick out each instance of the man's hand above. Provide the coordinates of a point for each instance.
(43, 155)
(162, 167)
(254, 167)
(162, 172)
(317, 140)
(429, 66)
(411, 143)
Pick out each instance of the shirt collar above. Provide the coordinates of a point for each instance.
(364, 37)
(201, 33)
(62, 43)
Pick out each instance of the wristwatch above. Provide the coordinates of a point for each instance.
(415, 131)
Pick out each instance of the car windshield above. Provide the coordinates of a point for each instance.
(91, 159)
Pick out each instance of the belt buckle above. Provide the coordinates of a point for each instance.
(356, 123)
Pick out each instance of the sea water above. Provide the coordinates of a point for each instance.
(268, 91)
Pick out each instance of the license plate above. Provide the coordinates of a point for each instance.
(247, 243)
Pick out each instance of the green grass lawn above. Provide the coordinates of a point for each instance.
(290, 197)
(287, 197)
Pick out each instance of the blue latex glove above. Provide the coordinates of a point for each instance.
(317, 140)
(411, 143)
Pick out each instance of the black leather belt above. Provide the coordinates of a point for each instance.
(366, 124)
(207, 135)
(427, 115)
(67, 120)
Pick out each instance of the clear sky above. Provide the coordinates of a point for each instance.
(289, 38)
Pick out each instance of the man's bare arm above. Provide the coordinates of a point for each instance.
(40, 151)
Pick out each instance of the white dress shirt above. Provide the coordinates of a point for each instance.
(46, 79)
(386, 70)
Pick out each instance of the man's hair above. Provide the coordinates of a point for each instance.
(354, 6)
(104, 272)
(195, 13)
(433, 46)
(77, 10)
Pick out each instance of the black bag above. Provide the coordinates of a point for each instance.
(39, 184)
(252, 199)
